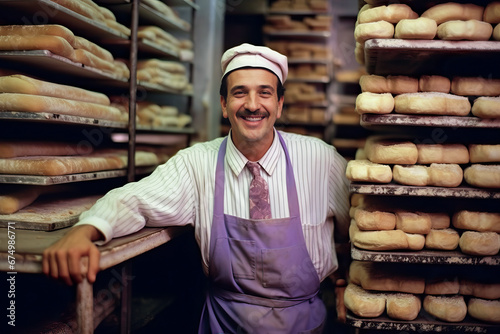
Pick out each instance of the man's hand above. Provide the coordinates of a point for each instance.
(63, 260)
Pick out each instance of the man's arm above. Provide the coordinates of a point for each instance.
(62, 260)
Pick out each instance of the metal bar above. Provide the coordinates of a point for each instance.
(132, 90)
(85, 307)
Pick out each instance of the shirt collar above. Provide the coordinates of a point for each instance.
(237, 161)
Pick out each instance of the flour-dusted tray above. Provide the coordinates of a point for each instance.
(49, 214)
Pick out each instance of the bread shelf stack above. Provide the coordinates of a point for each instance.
(302, 31)
(64, 97)
(425, 190)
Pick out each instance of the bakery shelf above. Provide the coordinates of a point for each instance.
(424, 323)
(182, 3)
(146, 46)
(59, 119)
(392, 189)
(60, 179)
(368, 120)
(297, 12)
(426, 256)
(293, 61)
(151, 87)
(46, 60)
(47, 11)
(323, 79)
(438, 57)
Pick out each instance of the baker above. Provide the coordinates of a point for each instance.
(265, 206)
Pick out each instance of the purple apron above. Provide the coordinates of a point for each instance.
(262, 279)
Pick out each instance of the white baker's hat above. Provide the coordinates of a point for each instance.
(248, 55)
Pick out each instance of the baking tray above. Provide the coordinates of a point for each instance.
(369, 120)
(59, 119)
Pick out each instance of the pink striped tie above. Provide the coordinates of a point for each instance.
(259, 194)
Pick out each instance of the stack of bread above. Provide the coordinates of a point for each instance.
(309, 71)
(299, 5)
(165, 73)
(183, 48)
(61, 41)
(404, 293)
(304, 93)
(286, 23)
(386, 158)
(91, 10)
(445, 21)
(377, 226)
(21, 93)
(429, 95)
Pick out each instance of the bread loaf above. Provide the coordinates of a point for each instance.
(484, 153)
(403, 306)
(368, 220)
(432, 104)
(477, 221)
(439, 220)
(85, 44)
(442, 154)
(363, 303)
(479, 243)
(379, 29)
(453, 11)
(434, 83)
(11, 149)
(475, 86)
(416, 242)
(413, 222)
(496, 32)
(443, 239)
(42, 104)
(486, 107)
(378, 240)
(379, 277)
(39, 30)
(55, 44)
(492, 12)
(13, 200)
(446, 308)
(394, 84)
(472, 30)
(484, 310)
(440, 175)
(480, 289)
(417, 28)
(371, 103)
(441, 286)
(385, 150)
(366, 171)
(412, 175)
(483, 176)
(25, 85)
(392, 13)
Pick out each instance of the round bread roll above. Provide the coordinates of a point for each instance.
(367, 171)
(379, 29)
(444, 239)
(403, 306)
(371, 103)
(378, 240)
(402, 84)
(445, 175)
(454, 11)
(442, 154)
(384, 150)
(484, 153)
(374, 84)
(471, 30)
(439, 220)
(485, 290)
(440, 287)
(479, 243)
(432, 104)
(477, 221)
(450, 309)
(416, 242)
(364, 303)
(413, 175)
(392, 13)
(496, 32)
(374, 220)
(434, 83)
(486, 107)
(492, 12)
(418, 28)
(475, 86)
(413, 222)
(484, 310)
(483, 176)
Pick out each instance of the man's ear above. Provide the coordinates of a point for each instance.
(280, 106)
(223, 105)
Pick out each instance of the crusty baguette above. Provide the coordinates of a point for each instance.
(54, 44)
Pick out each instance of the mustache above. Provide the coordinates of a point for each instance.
(248, 113)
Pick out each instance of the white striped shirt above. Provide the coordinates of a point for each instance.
(181, 192)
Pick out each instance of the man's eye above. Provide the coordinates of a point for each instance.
(266, 92)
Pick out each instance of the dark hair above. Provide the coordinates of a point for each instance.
(280, 89)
